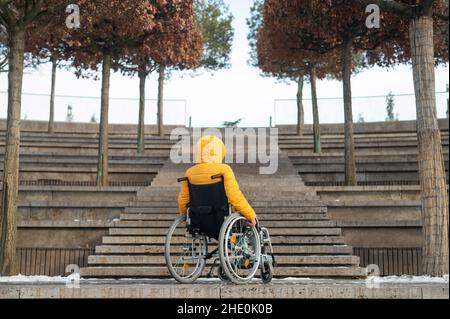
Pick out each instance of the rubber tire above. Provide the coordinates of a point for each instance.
(222, 275)
(267, 276)
(223, 262)
(167, 255)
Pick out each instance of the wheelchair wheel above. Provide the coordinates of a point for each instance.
(267, 273)
(239, 249)
(184, 252)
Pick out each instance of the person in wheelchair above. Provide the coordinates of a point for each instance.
(202, 189)
(208, 190)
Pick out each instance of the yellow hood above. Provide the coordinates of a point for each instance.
(210, 149)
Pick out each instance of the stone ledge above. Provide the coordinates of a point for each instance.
(390, 203)
(72, 204)
(365, 188)
(108, 224)
(329, 289)
(378, 223)
(63, 188)
(64, 224)
(359, 154)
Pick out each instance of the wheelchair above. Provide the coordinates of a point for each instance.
(238, 249)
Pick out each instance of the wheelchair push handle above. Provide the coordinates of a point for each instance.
(184, 178)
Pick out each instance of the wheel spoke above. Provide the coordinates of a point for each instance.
(241, 251)
(187, 256)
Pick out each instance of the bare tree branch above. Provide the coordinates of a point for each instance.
(7, 14)
(4, 19)
(394, 6)
(34, 12)
(427, 6)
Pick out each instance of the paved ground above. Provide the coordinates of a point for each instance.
(213, 288)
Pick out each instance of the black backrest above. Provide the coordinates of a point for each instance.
(208, 208)
(208, 195)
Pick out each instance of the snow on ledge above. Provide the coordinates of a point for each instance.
(414, 279)
(405, 279)
(33, 279)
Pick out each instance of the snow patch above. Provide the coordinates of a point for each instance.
(414, 279)
(405, 279)
(33, 279)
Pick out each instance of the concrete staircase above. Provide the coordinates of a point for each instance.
(306, 242)
(383, 156)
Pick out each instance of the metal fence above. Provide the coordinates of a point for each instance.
(86, 108)
(392, 261)
(53, 261)
(50, 261)
(365, 109)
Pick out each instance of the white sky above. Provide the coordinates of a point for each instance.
(239, 92)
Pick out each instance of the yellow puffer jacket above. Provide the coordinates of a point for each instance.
(210, 152)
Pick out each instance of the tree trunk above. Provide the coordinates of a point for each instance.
(141, 125)
(102, 171)
(8, 229)
(300, 109)
(434, 196)
(350, 165)
(51, 121)
(315, 109)
(161, 72)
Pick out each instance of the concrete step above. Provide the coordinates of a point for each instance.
(131, 272)
(281, 260)
(261, 216)
(305, 196)
(171, 188)
(255, 203)
(307, 242)
(369, 193)
(267, 223)
(259, 210)
(126, 240)
(273, 232)
(159, 249)
(285, 194)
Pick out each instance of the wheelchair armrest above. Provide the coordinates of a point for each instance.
(188, 218)
(217, 176)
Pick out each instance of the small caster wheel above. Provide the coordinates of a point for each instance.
(267, 273)
(221, 274)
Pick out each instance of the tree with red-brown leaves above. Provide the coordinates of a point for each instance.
(214, 21)
(254, 24)
(106, 30)
(327, 27)
(175, 44)
(275, 57)
(16, 17)
(283, 51)
(405, 33)
(426, 44)
(162, 30)
(43, 45)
